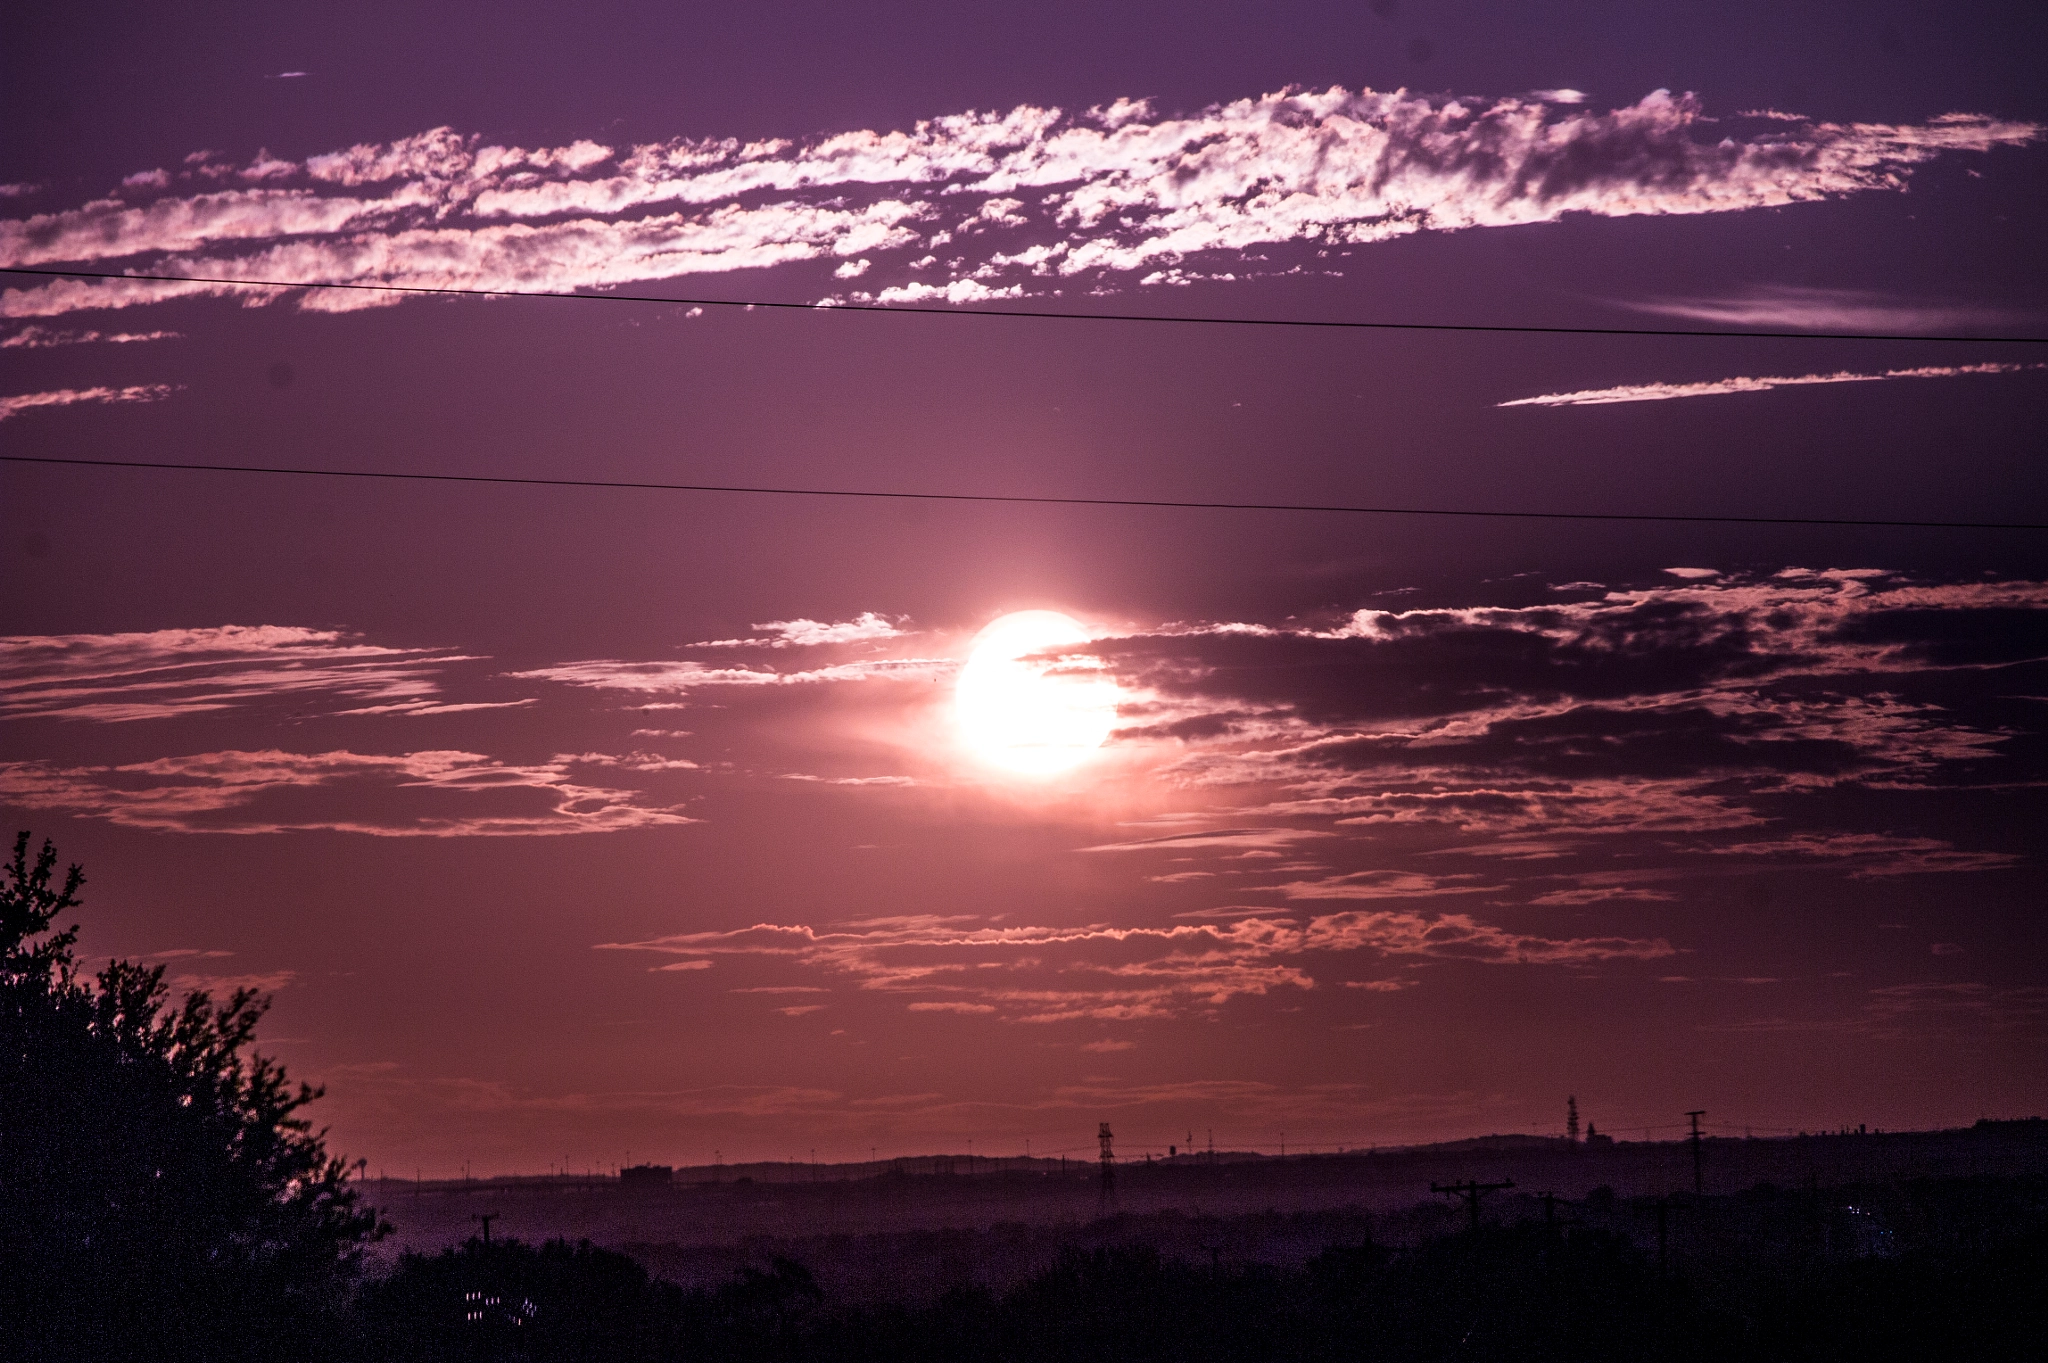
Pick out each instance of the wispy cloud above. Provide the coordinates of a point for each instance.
(1780, 307)
(1405, 932)
(849, 780)
(1922, 1009)
(419, 794)
(2002, 1007)
(1384, 885)
(264, 982)
(1661, 392)
(163, 673)
(417, 708)
(18, 403)
(963, 207)
(1043, 974)
(40, 338)
(808, 633)
(1257, 839)
(677, 678)
(1875, 855)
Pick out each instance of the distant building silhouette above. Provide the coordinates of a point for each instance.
(647, 1176)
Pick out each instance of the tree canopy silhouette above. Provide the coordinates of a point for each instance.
(160, 1194)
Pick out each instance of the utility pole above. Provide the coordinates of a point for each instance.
(486, 1218)
(1699, 1182)
(1549, 1201)
(1571, 1119)
(1472, 1192)
(1106, 1202)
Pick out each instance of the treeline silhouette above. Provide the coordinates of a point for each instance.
(1529, 1291)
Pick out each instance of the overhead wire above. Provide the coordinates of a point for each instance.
(509, 480)
(1164, 503)
(951, 310)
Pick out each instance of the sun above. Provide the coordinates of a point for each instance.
(1027, 708)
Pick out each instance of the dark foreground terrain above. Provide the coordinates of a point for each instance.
(1933, 1268)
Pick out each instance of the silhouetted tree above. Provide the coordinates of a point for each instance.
(160, 1196)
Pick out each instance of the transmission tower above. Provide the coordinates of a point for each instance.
(1107, 1201)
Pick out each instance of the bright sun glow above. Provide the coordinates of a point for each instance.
(1026, 709)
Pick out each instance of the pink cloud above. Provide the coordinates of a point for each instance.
(65, 397)
(41, 338)
(1873, 855)
(1258, 839)
(1659, 392)
(1383, 885)
(415, 708)
(1603, 894)
(263, 983)
(1783, 307)
(1921, 1008)
(1459, 936)
(1042, 975)
(456, 794)
(675, 678)
(1018, 200)
(113, 678)
(810, 633)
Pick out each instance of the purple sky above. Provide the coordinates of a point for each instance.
(567, 822)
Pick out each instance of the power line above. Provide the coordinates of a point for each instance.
(1153, 502)
(951, 311)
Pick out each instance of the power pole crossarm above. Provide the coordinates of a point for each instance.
(1471, 1191)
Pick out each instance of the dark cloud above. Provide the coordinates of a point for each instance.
(1930, 637)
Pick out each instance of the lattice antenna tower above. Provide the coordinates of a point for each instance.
(1571, 1119)
(1107, 1200)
